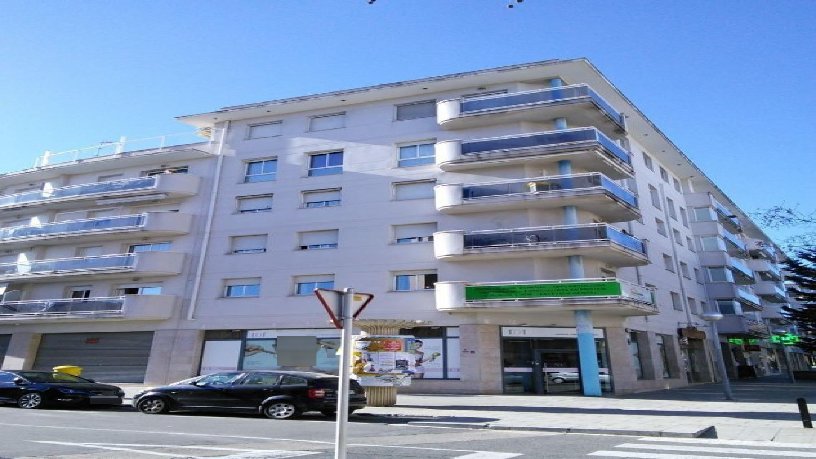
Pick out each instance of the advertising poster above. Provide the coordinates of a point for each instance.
(260, 354)
(428, 358)
(384, 360)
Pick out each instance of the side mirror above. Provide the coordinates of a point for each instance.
(19, 381)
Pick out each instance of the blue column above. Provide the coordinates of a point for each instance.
(560, 123)
(587, 354)
(556, 82)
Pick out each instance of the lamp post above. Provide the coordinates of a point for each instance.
(712, 318)
(781, 332)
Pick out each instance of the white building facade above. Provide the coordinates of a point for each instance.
(541, 233)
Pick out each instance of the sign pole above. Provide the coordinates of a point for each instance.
(343, 386)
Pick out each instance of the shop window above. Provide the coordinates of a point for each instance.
(634, 352)
(666, 351)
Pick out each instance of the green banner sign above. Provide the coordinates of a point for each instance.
(788, 339)
(530, 291)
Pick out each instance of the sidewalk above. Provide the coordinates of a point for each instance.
(764, 409)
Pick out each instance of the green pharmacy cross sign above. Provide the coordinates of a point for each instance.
(530, 291)
(788, 339)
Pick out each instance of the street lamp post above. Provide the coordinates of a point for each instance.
(712, 318)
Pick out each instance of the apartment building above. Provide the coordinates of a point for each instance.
(528, 223)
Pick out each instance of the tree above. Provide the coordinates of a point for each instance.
(791, 218)
(801, 272)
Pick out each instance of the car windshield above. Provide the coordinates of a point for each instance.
(42, 377)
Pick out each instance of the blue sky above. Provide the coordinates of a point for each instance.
(730, 82)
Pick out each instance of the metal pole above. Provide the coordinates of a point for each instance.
(718, 358)
(343, 385)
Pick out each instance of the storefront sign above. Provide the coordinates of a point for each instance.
(562, 290)
(788, 339)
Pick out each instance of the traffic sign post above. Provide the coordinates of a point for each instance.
(343, 307)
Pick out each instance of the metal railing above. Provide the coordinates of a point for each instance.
(63, 306)
(86, 189)
(547, 184)
(552, 235)
(56, 265)
(538, 97)
(73, 226)
(564, 137)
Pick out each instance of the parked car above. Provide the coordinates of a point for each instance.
(275, 394)
(36, 389)
(572, 376)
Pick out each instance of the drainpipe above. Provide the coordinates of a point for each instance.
(670, 235)
(208, 226)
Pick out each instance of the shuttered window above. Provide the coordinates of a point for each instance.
(312, 240)
(242, 288)
(326, 122)
(260, 131)
(255, 243)
(422, 189)
(256, 203)
(415, 110)
(305, 285)
(414, 233)
(321, 198)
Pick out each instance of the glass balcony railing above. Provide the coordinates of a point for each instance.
(734, 240)
(86, 189)
(64, 306)
(747, 296)
(540, 185)
(725, 215)
(552, 235)
(72, 226)
(740, 267)
(67, 264)
(552, 139)
(541, 97)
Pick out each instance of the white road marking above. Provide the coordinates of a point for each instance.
(716, 441)
(656, 455)
(134, 447)
(712, 449)
(488, 455)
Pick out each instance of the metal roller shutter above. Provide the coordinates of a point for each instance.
(4, 343)
(106, 357)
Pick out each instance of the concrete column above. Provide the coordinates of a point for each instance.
(587, 354)
(480, 359)
(174, 355)
(556, 82)
(560, 123)
(22, 350)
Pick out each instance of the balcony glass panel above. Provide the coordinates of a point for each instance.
(68, 264)
(725, 214)
(73, 226)
(544, 139)
(79, 190)
(734, 240)
(741, 267)
(551, 235)
(748, 296)
(62, 306)
(541, 96)
(571, 182)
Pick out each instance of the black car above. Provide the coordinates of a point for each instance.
(36, 389)
(276, 394)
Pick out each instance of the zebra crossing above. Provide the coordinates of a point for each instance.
(686, 448)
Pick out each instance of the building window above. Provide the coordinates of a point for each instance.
(670, 208)
(692, 305)
(668, 262)
(677, 304)
(677, 185)
(655, 197)
(719, 274)
(677, 237)
(326, 163)
(138, 290)
(727, 307)
(149, 247)
(166, 170)
(698, 275)
(711, 244)
(321, 198)
(684, 217)
(79, 292)
(647, 160)
(242, 288)
(264, 130)
(684, 270)
(664, 175)
(326, 122)
(254, 203)
(703, 214)
(420, 189)
(415, 110)
(406, 282)
(315, 240)
(661, 227)
(634, 351)
(255, 243)
(264, 170)
(690, 244)
(663, 349)
(416, 155)
(414, 233)
(305, 285)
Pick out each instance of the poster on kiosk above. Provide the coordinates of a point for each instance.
(385, 361)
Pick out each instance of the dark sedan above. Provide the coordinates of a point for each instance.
(276, 394)
(36, 389)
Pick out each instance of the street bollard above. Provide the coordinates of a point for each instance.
(803, 411)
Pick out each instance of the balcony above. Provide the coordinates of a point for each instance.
(127, 307)
(771, 291)
(734, 245)
(578, 103)
(761, 249)
(587, 148)
(740, 272)
(768, 270)
(726, 217)
(75, 196)
(593, 192)
(597, 241)
(612, 297)
(742, 326)
(107, 266)
(148, 224)
(729, 291)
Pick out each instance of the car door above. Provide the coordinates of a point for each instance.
(207, 392)
(250, 391)
(9, 391)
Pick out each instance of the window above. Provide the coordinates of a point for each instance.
(109, 178)
(326, 163)
(166, 170)
(79, 292)
(138, 290)
(242, 288)
(421, 189)
(305, 285)
(668, 262)
(261, 171)
(314, 240)
(664, 175)
(321, 198)
(677, 185)
(661, 227)
(255, 243)
(719, 274)
(655, 197)
(415, 110)
(647, 160)
(703, 214)
(670, 208)
(264, 130)
(684, 270)
(414, 233)
(684, 217)
(439, 345)
(149, 247)
(727, 307)
(711, 243)
(254, 203)
(692, 305)
(677, 304)
(677, 237)
(326, 122)
(690, 244)
(698, 275)
(90, 251)
(416, 154)
(703, 306)
(406, 282)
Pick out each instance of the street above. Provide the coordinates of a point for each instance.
(123, 433)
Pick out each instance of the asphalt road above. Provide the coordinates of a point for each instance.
(124, 433)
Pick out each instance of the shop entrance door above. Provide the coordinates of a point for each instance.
(555, 371)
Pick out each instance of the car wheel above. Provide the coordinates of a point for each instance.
(30, 401)
(152, 405)
(281, 410)
(558, 380)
